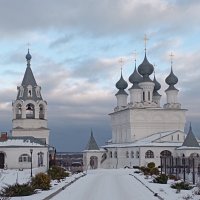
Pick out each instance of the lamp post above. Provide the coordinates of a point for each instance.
(31, 151)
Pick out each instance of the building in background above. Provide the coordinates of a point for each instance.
(28, 146)
(142, 129)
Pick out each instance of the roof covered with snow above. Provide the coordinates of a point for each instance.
(22, 142)
(152, 140)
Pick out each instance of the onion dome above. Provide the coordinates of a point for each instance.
(171, 80)
(156, 87)
(28, 56)
(146, 69)
(135, 78)
(121, 85)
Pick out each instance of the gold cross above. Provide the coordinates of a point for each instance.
(145, 41)
(135, 55)
(28, 45)
(171, 57)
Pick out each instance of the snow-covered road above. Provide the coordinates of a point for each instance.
(106, 185)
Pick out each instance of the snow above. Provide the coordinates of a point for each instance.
(18, 142)
(106, 185)
(100, 184)
(151, 140)
(10, 177)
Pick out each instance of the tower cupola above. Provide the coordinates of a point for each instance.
(121, 95)
(171, 91)
(146, 69)
(171, 80)
(156, 95)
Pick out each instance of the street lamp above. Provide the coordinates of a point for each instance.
(31, 151)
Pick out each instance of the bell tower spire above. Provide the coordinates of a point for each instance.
(29, 108)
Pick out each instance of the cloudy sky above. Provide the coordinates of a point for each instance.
(76, 46)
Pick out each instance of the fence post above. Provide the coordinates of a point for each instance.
(176, 167)
(165, 165)
(193, 171)
(183, 161)
(161, 165)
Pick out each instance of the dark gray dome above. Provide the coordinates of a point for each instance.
(135, 77)
(121, 84)
(157, 84)
(145, 69)
(28, 56)
(171, 80)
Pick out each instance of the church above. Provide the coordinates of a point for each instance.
(142, 129)
(28, 146)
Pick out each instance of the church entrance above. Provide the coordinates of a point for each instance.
(93, 162)
(2, 160)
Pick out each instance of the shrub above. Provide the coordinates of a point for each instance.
(136, 167)
(145, 170)
(162, 178)
(57, 173)
(17, 190)
(172, 177)
(41, 181)
(154, 171)
(151, 165)
(181, 186)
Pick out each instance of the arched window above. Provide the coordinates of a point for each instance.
(149, 154)
(24, 158)
(29, 87)
(127, 154)
(137, 154)
(115, 154)
(178, 137)
(40, 159)
(30, 111)
(143, 96)
(148, 96)
(110, 154)
(18, 111)
(132, 154)
(41, 111)
(165, 153)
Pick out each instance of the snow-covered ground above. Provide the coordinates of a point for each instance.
(116, 184)
(10, 177)
(106, 185)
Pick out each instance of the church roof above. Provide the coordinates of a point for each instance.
(23, 141)
(190, 140)
(154, 140)
(28, 80)
(92, 145)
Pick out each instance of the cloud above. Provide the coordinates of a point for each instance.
(61, 41)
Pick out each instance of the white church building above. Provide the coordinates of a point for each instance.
(142, 129)
(28, 145)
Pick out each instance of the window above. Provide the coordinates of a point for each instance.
(148, 96)
(132, 154)
(41, 111)
(178, 137)
(166, 153)
(18, 111)
(137, 154)
(172, 138)
(24, 158)
(40, 159)
(110, 154)
(29, 90)
(143, 96)
(127, 154)
(149, 154)
(30, 111)
(115, 154)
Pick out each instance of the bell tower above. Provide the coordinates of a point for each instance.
(29, 108)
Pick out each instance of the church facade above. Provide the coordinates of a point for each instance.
(28, 145)
(142, 129)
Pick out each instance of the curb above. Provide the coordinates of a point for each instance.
(155, 194)
(62, 188)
